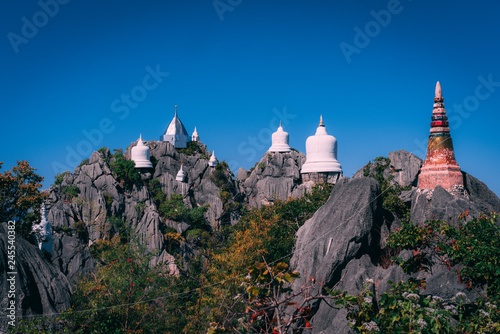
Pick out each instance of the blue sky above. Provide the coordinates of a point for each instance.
(80, 75)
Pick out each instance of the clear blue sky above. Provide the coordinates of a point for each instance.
(235, 66)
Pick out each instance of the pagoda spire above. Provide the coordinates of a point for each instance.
(440, 166)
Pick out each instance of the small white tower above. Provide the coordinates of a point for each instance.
(180, 175)
(195, 136)
(321, 164)
(213, 160)
(42, 232)
(280, 141)
(141, 155)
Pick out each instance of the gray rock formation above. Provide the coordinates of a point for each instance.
(403, 166)
(343, 244)
(101, 196)
(275, 177)
(40, 287)
(439, 204)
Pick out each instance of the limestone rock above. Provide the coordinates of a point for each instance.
(440, 204)
(40, 287)
(71, 256)
(275, 177)
(406, 166)
(339, 231)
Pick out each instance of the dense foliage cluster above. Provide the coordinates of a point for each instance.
(471, 249)
(381, 171)
(20, 196)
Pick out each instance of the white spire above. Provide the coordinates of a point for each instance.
(280, 141)
(195, 136)
(180, 175)
(213, 160)
(43, 233)
(140, 154)
(321, 152)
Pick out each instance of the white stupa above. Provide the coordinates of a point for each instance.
(141, 155)
(180, 175)
(42, 232)
(195, 136)
(321, 162)
(176, 133)
(280, 141)
(213, 161)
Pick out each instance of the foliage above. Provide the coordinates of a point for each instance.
(192, 148)
(84, 162)
(261, 165)
(471, 248)
(140, 208)
(103, 150)
(390, 192)
(125, 295)
(20, 196)
(71, 191)
(124, 170)
(59, 178)
(266, 286)
(108, 201)
(81, 229)
(268, 231)
(172, 238)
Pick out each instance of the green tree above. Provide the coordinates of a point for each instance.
(20, 196)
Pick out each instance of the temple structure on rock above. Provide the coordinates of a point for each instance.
(280, 141)
(440, 166)
(43, 233)
(176, 133)
(321, 164)
(140, 155)
(212, 162)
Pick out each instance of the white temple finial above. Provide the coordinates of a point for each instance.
(439, 93)
(321, 121)
(176, 110)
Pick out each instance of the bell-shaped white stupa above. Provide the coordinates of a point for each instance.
(321, 157)
(280, 141)
(195, 136)
(213, 160)
(176, 133)
(180, 175)
(141, 154)
(42, 232)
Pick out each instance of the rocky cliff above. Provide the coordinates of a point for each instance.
(82, 204)
(342, 244)
(40, 288)
(275, 177)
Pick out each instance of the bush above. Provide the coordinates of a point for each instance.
(59, 178)
(191, 148)
(84, 162)
(124, 170)
(81, 229)
(71, 191)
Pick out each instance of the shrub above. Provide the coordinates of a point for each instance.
(59, 178)
(191, 148)
(124, 170)
(71, 191)
(81, 229)
(84, 162)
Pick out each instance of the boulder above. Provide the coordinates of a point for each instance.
(275, 177)
(40, 287)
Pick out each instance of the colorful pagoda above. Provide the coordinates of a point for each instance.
(440, 167)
